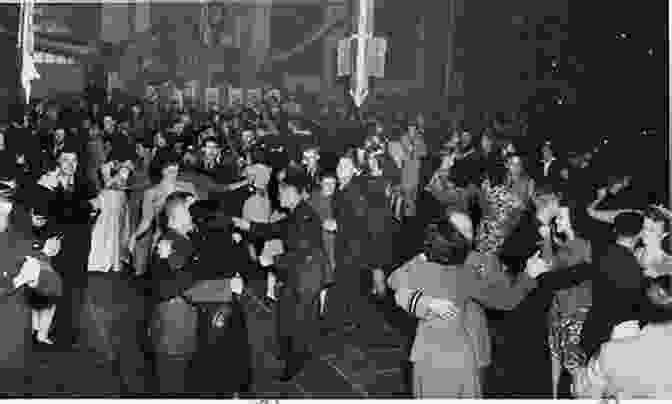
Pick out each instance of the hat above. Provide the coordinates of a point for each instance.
(260, 174)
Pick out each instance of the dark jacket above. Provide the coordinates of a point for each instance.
(175, 275)
(353, 240)
(617, 285)
(304, 264)
(16, 342)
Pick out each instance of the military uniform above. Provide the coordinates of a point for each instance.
(174, 324)
(303, 268)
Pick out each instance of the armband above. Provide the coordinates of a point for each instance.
(413, 301)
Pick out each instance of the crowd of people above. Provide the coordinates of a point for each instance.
(529, 273)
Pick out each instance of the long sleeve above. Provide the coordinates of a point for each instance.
(566, 278)
(497, 295)
(409, 298)
(591, 381)
(413, 302)
(270, 230)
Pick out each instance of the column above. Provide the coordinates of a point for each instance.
(333, 10)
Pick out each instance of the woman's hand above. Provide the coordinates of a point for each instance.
(52, 247)
(131, 243)
(442, 308)
(241, 223)
(602, 193)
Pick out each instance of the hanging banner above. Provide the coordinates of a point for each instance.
(235, 96)
(212, 96)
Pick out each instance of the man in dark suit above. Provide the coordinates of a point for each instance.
(71, 214)
(548, 170)
(303, 268)
(617, 284)
(357, 259)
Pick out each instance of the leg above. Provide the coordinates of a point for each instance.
(171, 372)
(44, 319)
(556, 369)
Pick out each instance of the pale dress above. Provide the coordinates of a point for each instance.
(111, 232)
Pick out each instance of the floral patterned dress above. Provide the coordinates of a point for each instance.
(503, 212)
(570, 308)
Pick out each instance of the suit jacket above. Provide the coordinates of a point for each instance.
(618, 274)
(630, 368)
(351, 211)
(304, 264)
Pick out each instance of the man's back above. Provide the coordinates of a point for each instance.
(634, 367)
(617, 292)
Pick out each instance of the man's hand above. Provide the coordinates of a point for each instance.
(536, 266)
(601, 193)
(52, 247)
(442, 308)
(164, 248)
(236, 237)
(330, 225)
(241, 223)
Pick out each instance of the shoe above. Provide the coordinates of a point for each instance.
(294, 367)
(43, 339)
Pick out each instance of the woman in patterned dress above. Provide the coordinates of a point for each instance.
(570, 306)
(653, 256)
(503, 209)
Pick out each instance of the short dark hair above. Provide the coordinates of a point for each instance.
(628, 224)
(299, 180)
(445, 244)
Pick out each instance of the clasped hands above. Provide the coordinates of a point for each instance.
(536, 266)
(29, 273)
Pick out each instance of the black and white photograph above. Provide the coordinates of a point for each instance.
(270, 200)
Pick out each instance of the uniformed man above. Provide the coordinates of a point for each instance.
(20, 267)
(174, 327)
(303, 268)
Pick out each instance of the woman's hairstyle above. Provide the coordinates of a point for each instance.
(445, 244)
